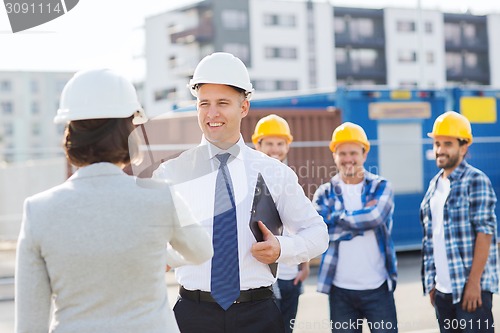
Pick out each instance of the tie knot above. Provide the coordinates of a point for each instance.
(223, 159)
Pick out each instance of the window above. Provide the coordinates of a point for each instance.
(160, 95)
(281, 53)
(340, 56)
(270, 19)
(35, 107)
(452, 33)
(469, 31)
(35, 129)
(287, 21)
(339, 25)
(362, 28)
(428, 27)
(10, 152)
(5, 85)
(271, 52)
(363, 58)
(283, 20)
(312, 73)
(265, 85)
(405, 26)
(172, 61)
(288, 85)
(288, 52)
(239, 50)
(234, 19)
(430, 57)
(172, 28)
(8, 129)
(470, 60)
(34, 86)
(454, 63)
(7, 107)
(406, 56)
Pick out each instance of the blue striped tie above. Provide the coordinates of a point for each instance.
(225, 281)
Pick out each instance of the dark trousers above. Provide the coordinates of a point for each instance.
(247, 317)
(452, 318)
(289, 301)
(348, 308)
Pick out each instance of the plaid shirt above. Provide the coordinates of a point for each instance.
(469, 209)
(344, 225)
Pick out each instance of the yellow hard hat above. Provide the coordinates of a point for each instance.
(272, 125)
(349, 132)
(452, 124)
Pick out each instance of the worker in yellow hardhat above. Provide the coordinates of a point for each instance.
(460, 270)
(349, 132)
(272, 137)
(358, 271)
(354, 135)
(452, 124)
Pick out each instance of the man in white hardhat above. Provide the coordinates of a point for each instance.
(232, 292)
(95, 246)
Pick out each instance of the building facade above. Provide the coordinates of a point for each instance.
(28, 104)
(306, 45)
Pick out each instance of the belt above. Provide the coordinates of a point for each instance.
(249, 295)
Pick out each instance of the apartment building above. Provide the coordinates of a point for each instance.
(28, 103)
(304, 45)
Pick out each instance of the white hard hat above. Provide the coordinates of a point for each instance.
(221, 68)
(99, 94)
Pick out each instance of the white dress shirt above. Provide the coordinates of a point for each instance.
(194, 174)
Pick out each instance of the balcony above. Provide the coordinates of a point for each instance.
(375, 42)
(202, 33)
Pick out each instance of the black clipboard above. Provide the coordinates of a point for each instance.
(264, 209)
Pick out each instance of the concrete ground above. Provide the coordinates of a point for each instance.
(415, 313)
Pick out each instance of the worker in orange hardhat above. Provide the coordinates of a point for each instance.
(459, 252)
(357, 206)
(272, 137)
(91, 250)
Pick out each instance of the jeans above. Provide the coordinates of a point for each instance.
(451, 317)
(348, 308)
(289, 301)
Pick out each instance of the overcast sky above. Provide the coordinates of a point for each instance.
(109, 33)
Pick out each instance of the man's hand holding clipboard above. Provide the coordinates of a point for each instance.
(265, 224)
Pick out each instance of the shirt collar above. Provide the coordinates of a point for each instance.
(97, 169)
(368, 177)
(235, 150)
(459, 171)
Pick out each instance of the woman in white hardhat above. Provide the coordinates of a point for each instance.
(92, 251)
